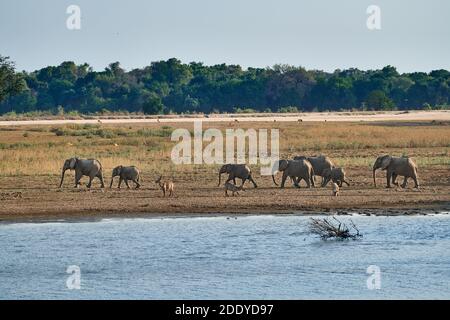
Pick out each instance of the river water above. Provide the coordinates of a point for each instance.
(245, 257)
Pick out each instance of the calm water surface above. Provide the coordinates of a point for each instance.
(255, 257)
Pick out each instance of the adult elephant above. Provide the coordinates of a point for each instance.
(319, 164)
(234, 171)
(297, 170)
(83, 167)
(396, 166)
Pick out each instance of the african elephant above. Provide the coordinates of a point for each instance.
(234, 171)
(396, 166)
(125, 174)
(297, 170)
(319, 164)
(337, 175)
(83, 167)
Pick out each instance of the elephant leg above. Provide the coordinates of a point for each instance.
(416, 183)
(296, 181)
(252, 181)
(325, 181)
(283, 180)
(293, 180)
(308, 183)
(77, 178)
(348, 184)
(138, 185)
(405, 182)
(388, 179)
(126, 183)
(394, 177)
(243, 181)
(120, 182)
(313, 183)
(90, 182)
(100, 177)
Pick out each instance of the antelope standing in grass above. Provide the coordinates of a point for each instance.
(166, 186)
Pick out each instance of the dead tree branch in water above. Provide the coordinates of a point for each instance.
(327, 229)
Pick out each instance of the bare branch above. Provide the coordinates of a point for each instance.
(339, 230)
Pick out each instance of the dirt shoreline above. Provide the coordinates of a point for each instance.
(37, 203)
(95, 216)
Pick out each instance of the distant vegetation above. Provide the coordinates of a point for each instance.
(173, 87)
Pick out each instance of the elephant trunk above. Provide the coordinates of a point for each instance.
(112, 180)
(220, 175)
(374, 181)
(62, 177)
(273, 178)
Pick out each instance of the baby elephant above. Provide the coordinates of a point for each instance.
(233, 188)
(337, 175)
(126, 174)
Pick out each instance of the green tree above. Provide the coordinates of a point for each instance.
(153, 105)
(377, 100)
(11, 83)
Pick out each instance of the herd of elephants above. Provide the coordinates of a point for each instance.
(297, 169)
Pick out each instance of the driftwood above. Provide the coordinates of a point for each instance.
(327, 229)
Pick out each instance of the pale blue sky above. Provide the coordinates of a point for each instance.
(317, 34)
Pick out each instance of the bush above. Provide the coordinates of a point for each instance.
(288, 109)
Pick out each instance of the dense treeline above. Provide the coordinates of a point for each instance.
(171, 86)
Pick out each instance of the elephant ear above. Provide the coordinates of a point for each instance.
(223, 168)
(283, 164)
(72, 163)
(385, 162)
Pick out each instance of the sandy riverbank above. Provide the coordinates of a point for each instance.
(44, 201)
(442, 115)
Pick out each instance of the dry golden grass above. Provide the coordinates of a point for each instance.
(41, 150)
